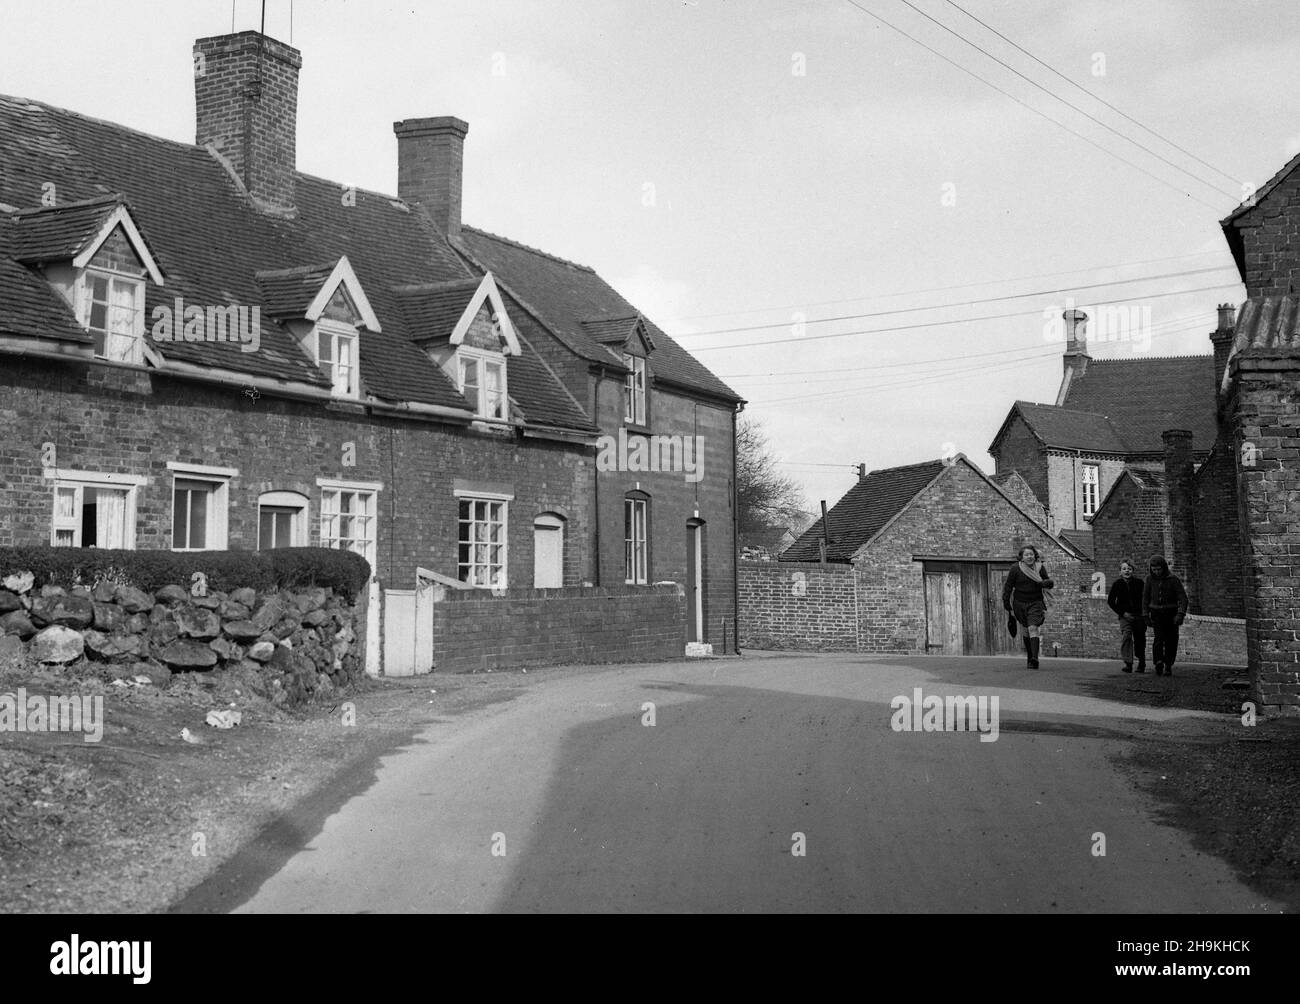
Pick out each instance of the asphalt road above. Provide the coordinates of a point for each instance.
(564, 800)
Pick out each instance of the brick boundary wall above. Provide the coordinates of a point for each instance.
(798, 605)
(476, 631)
(1217, 640)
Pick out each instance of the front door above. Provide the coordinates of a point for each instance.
(695, 579)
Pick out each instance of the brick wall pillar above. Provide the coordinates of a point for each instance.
(1264, 404)
(1180, 518)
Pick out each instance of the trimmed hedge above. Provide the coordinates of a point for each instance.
(282, 568)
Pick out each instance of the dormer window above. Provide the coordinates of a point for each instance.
(110, 300)
(337, 344)
(482, 382)
(634, 397)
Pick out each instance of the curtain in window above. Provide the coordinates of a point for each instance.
(120, 342)
(110, 516)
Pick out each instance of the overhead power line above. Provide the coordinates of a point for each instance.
(939, 324)
(1095, 97)
(960, 303)
(1069, 104)
(1192, 321)
(1036, 111)
(944, 289)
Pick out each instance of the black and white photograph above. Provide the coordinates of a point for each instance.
(623, 457)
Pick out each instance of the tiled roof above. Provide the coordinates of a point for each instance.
(433, 309)
(615, 330)
(288, 292)
(1148, 481)
(864, 510)
(1070, 429)
(1267, 327)
(35, 236)
(1144, 397)
(565, 294)
(32, 309)
(211, 244)
(1081, 539)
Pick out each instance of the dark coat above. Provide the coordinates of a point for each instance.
(1125, 596)
(1164, 593)
(1023, 589)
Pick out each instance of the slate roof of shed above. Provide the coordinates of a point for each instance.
(211, 244)
(863, 511)
(565, 294)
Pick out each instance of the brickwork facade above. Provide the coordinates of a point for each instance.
(130, 422)
(798, 605)
(478, 632)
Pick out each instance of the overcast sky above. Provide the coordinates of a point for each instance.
(770, 162)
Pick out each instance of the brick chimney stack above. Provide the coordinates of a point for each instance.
(1180, 526)
(246, 107)
(1076, 342)
(1221, 338)
(430, 158)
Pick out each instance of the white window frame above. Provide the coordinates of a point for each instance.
(474, 499)
(85, 301)
(367, 492)
(1090, 490)
(634, 390)
(636, 573)
(338, 332)
(78, 481)
(218, 519)
(482, 404)
(279, 500)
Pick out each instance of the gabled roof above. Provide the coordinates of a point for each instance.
(432, 309)
(1147, 482)
(864, 510)
(1267, 327)
(57, 233)
(868, 508)
(616, 332)
(288, 292)
(564, 294)
(1065, 428)
(215, 249)
(1122, 406)
(1144, 397)
(1231, 229)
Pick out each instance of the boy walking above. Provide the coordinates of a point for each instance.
(1164, 604)
(1125, 598)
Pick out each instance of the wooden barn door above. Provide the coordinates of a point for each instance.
(943, 612)
(1003, 643)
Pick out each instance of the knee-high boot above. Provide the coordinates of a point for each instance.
(1029, 652)
(1033, 652)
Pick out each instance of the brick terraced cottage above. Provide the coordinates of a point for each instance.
(203, 348)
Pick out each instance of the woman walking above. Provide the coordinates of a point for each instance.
(1025, 596)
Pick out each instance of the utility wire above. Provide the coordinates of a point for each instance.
(938, 324)
(1095, 97)
(1056, 122)
(1069, 104)
(960, 303)
(943, 289)
(1188, 322)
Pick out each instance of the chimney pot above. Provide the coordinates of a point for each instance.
(1227, 317)
(430, 158)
